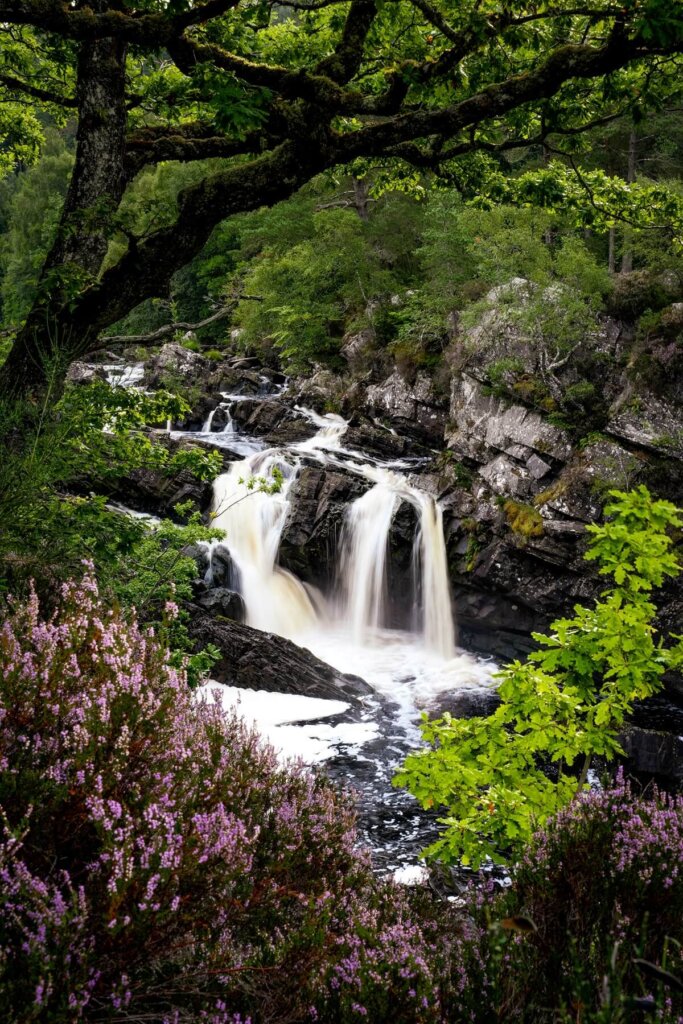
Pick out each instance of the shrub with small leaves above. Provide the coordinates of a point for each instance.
(564, 705)
(158, 863)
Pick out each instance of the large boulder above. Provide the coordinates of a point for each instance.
(318, 501)
(255, 660)
(271, 419)
(173, 361)
(85, 373)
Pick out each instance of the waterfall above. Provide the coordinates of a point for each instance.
(275, 600)
(365, 541)
(331, 428)
(364, 550)
(439, 631)
(206, 428)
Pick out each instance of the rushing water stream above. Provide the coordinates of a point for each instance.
(347, 627)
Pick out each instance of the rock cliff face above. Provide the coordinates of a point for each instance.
(522, 453)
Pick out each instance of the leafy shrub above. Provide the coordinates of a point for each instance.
(312, 291)
(49, 523)
(156, 863)
(191, 344)
(563, 706)
(635, 293)
(599, 888)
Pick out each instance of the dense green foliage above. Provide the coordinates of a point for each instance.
(423, 188)
(501, 776)
(95, 436)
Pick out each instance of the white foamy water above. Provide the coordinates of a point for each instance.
(275, 600)
(274, 715)
(409, 670)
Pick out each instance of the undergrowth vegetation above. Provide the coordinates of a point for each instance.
(157, 863)
(590, 929)
(59, 468)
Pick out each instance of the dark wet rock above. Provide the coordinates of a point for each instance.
(219, 420)
(222, 569)
(200, 554)
(198, 415)
(290, 431)
(221, 601)
(465, 704)
(382, 442)
(401, 583)
(262, 661)
(233, 380)
(270, 417)
(319, 499)
(653, 752)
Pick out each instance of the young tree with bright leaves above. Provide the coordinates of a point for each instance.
(271, 94)
(499, 778)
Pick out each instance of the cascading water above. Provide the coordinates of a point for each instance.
(364, 549)
(363, 552)
(439, 629)
(348, 631)
(276, 601)
(206, 428)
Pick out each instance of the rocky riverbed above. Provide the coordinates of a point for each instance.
(456, 480)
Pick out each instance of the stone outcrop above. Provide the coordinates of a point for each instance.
(174, 361)
(414, 409)
(262, 661)
(319, 499)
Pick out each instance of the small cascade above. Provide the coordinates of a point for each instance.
(439, 630)
(364, 553)
(206, 427)
(331, 429)
(275, 600)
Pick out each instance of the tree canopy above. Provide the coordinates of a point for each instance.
(261, 97)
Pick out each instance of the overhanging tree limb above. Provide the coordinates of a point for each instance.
(179, 325)
(38, 93)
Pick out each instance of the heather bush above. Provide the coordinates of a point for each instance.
(598, 889)
(158, 864)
